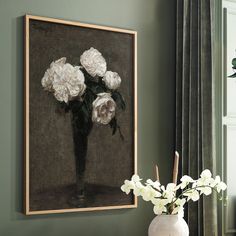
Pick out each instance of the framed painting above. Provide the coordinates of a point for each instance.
(80, 116)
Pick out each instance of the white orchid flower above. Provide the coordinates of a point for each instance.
(205, 178)
(135, 178)
(169, 191)
(185, 180)
(215, 181)
(179, 204)
(206, 174)
(155, 184)
(164, 198)
(150, 194)
(180, 201)
(160, 206)
(127, 186)
(218, 184)
(221, 186)
(139, 189)
(171, 187)
(192, 194)
(205, 190)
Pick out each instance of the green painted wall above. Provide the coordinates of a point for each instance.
(155, 22)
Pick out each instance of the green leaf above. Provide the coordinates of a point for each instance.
(74, 105)
(81, 117)
(85, 112)
(87, 76)
(62, 107)
(113, 125)
(96, 87)
(89, 97)
(119, 100)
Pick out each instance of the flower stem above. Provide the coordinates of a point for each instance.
(190, 189)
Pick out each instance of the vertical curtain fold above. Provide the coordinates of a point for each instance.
(194, 116)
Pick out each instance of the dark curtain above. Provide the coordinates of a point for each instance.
(194, 104)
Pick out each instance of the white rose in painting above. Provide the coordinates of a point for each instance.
(104, 108)
(69, 84)
(54, 71)
(64, 80)
(112, 80)
(93, 62)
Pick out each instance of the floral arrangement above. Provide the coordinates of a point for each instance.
(89, 90)
(171, 199)
(234, 68)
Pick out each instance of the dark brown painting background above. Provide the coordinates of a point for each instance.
(109, 159)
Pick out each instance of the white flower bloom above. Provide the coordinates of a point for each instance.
(112, 80)
(139, 189)
(171, 187)
(136, 178)
(127, 186)
(206, 174)
(205, 178)
(52, 72)
(180, 201)
(160, 206)
(185, 180)
(215, 181)
(192, 194)
(205, 190)
(155, 184)
(93, 62)
(221, 186)
(218, 184)
(104, 108)
(150, 194)
(70, 84)
(179, 206)
(169, 192)
(164, 198)
(64, 80)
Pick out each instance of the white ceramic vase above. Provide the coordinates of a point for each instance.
(168, 225)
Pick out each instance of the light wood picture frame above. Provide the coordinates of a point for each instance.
(52, 181)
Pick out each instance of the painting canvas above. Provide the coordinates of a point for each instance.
(80, 116)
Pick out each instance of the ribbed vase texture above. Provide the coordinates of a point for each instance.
(168, 225)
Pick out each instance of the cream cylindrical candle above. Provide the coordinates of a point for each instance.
(157, 173)
(176, 168)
